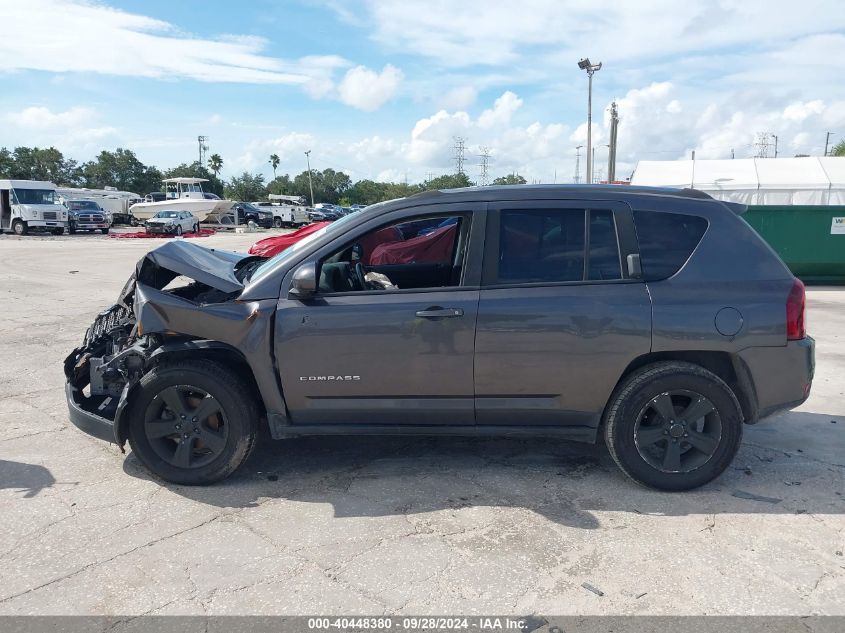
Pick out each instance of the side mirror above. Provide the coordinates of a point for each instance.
(304, 282)
(635, 269)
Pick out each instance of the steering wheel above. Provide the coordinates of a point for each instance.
(359, 273)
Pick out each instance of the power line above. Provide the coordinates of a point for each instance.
(484, 176)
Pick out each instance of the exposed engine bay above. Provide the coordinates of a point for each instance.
(178, 293)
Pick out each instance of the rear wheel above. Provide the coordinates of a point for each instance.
(277, 222)
(19, 227)
(196, 228)
(193, 422)
(673, 426)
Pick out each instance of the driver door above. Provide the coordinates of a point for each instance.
(387, 357)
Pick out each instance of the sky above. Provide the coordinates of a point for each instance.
(380, 88)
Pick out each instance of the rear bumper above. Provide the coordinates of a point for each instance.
(782, 376)
(87, 421)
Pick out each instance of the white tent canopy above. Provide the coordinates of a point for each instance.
(760, 181)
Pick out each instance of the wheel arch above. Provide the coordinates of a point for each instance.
(729, 367)
(223, 354)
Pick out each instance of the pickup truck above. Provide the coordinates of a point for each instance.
(655, 319)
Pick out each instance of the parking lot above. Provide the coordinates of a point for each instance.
(392, 525)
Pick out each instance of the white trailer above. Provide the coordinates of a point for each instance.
(288, 210)
(31, 204)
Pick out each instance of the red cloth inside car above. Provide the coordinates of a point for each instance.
(435, 248)
(370, 241)
(271, 246)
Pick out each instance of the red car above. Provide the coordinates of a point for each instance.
(271, 246)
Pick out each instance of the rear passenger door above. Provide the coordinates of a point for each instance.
(559, 317)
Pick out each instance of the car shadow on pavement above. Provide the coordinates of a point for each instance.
(29, 478)
(566, 482)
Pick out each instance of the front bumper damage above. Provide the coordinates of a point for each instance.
(150, 319)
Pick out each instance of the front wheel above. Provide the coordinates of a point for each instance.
(193, 422)
(104, 231)
(178, 229)
(19, 227)
(673, 426)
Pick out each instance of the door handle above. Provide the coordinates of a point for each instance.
(436, 312)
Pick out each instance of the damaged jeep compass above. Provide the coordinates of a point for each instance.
(655, 319)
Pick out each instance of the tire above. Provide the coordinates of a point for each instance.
(636, 433)
(195, 228)
(237, 411)
(104, 231)
(178, 230)
(277, 222)
(19, 227)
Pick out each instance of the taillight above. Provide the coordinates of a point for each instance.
(795, 307)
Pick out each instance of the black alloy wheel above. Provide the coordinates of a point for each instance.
(678, 431)
(186, 426)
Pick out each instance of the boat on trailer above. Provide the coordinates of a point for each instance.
(182, 194)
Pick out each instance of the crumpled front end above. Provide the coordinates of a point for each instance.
(153, 309)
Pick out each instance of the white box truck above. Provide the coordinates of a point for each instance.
(31, 204)
(288, 211)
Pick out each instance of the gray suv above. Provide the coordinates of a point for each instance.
(655, 319)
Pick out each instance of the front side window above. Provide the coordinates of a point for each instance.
(541, 246)
(423, 252)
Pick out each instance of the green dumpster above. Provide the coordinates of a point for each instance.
(810, 239)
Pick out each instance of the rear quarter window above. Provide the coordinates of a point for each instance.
(666, 241)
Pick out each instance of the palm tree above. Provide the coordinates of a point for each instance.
(838, 149)
(215, 163)
(274, 161)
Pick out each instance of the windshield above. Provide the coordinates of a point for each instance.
(84, 204)
(276, 261)
(166, 214)
(35, 196)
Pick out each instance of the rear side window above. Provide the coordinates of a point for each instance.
(538, 246)
(666, 241)
(604, 247)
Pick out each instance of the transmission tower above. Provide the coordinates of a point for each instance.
(577, 178)
(460, 147)
(484, 176)
(762, 144)
(203, 148)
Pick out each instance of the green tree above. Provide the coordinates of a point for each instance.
(247, 187)
(215, 164)
(33, 163)
(448, 181)
(7, 163)
(510, 179)
(281, 185)
(838, 149)
(274, 161)
(121, 169)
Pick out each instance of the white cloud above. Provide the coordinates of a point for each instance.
(501, 112)
(458, 98)
(116, 42)
(366, 89)
(77, 129)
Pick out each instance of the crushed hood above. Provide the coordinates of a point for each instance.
(212, 267)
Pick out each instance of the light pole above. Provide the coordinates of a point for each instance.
(585, 64)
(310, 186)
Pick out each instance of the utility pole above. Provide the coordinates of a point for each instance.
(485, 161)
(203, 148)
(591, 161)
(577, 178)
(611, 154)
(585, 64)
(310, 185)
(827, 142)
(460, 146)
(776, 144)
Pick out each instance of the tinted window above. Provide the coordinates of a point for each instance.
(542, 245)
(666, 241)
(604, 247)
